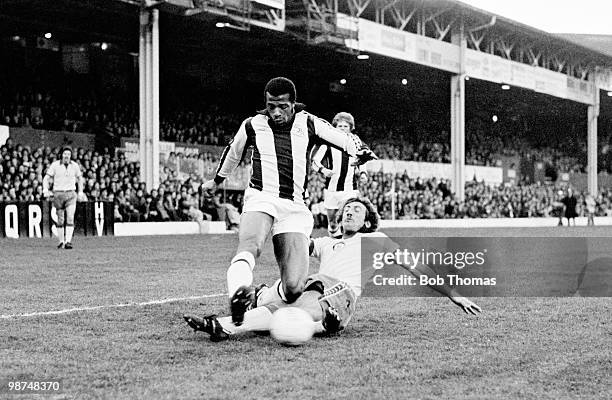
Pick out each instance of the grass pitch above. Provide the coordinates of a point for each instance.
(120, 333)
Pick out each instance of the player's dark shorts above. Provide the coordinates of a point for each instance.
(335, 294)
(64, 199)
(570, 213)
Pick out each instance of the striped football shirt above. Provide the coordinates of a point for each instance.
(281, 155)
(340, 163)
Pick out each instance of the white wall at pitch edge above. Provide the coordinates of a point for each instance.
(426, 170)
(167, 228)
(489, 223)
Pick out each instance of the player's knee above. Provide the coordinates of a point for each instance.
(253, 249)
(70, 220)
(293, 289)
(252, 245)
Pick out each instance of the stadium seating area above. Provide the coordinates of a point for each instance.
(112, 178)
(79, 110)
(71, 104)
(109, 178)
(416, 198)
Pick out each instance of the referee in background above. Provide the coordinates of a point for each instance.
(66, 177)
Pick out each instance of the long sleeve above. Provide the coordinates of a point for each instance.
(337, 138)
(232, 154)
(317, 159)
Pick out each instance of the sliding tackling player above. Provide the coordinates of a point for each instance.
(329, 295)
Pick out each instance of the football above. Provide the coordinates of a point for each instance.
(291, 326)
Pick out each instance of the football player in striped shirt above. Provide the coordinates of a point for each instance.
(282, 137)
(331, 294)
(341, 183)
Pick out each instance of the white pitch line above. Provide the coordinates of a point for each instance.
(78, 309)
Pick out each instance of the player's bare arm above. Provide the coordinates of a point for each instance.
(466, 304)
(46, 185)
(421, 269)
(80, 184)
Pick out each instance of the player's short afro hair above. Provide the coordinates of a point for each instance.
(279, 86)
(344, 116)
(371, 214)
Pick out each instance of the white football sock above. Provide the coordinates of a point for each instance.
(227, 325)
(270, 295)
(334, 233)
(257, 319)
(69, 232)
(60, 234)
(318, 327)
(240, 272)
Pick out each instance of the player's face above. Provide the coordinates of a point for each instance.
(353, 217)
(279, 108)
(66, 156)
(344, 126)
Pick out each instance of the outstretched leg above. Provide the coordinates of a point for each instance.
(291, 251)
(258, 319)
(332, 225)
(254, 229)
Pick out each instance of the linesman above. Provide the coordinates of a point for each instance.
(66, 177)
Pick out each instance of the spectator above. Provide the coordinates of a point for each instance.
(570, 202)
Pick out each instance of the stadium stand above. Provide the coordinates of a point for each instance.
(40, 97)
(416, 198)
(112, 178)
(66, 102)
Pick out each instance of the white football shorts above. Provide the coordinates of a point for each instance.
(289, 216)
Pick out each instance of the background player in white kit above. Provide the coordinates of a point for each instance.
(282, 137)
(331, 294)
(341, 175)
(67, 177)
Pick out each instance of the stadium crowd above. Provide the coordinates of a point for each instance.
(417, 198)
(116, 115)
(113, 178)
(71, 104)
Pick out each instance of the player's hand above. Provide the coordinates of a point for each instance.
(364, 155)
(466, 304)
(332, 321)
(209, 188)
(81, 197)
(326, 172)
(47, 194)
